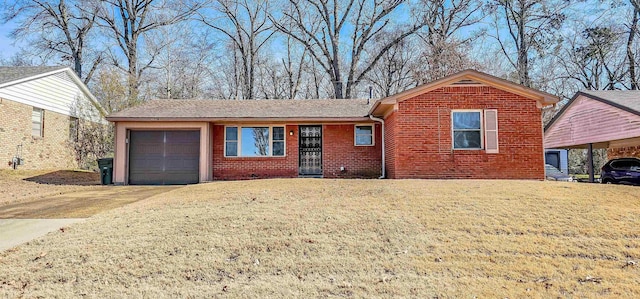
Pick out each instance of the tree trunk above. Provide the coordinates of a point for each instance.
(630, 55)
(523, 59)
(133, 73)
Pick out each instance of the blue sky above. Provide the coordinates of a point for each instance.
(6, 44)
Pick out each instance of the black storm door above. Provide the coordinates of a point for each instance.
(310, 138)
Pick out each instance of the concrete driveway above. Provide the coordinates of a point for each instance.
(25, 221)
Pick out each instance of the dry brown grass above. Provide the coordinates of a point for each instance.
(25, 185)
(353, 238)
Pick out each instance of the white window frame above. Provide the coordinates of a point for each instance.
(481, 129)
(41, 135)
(355, 134)
(239, 141)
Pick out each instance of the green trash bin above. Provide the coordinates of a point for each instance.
(105, 165)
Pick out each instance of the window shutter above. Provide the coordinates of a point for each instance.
(491, 131)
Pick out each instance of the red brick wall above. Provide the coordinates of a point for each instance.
(338, 150)
(623, 152)
(390, 148)
(238, 168)
(422, 130)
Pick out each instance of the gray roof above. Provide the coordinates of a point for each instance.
(13, 73)
(629, 99)
(247, 109)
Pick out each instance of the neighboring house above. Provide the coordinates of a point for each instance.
(38, 117)
(558, 158)
(603, 119)
(598, 119)
(468, 125)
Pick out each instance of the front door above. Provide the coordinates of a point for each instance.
(310, 138)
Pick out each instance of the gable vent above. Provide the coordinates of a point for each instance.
(466, 82)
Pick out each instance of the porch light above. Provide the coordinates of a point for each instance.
(291, 133)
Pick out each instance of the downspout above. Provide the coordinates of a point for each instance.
(381, 122)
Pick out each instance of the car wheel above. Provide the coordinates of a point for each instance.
(607, 181)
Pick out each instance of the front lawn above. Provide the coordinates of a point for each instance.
(27, 185)
(347, 238)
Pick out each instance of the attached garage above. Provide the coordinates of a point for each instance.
(164, 157)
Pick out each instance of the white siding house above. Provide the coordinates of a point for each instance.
(38, 116)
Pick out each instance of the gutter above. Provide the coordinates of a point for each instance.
(383, 147)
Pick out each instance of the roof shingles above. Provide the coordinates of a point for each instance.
(14, 73)
(629, 99)
(247, 109)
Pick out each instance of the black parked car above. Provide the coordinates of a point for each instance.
(621, 171)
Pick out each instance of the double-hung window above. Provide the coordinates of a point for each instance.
(364, 135)
(467, 129)
(37, 121)
(475, 129)
(258, 141)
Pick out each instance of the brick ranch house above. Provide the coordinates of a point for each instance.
(467, 125)
(37, 117)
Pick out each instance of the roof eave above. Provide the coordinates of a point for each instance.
(238, 119)
(14, 82)
(543, 98)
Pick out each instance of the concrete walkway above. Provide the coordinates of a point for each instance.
(25, 221)
(14, 232)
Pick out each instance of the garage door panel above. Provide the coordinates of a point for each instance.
(164, 157)
(148, 178)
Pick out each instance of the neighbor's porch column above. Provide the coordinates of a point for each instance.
(590, 162)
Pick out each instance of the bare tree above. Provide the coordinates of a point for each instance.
(130, 21)
(225, 84)
(110, 89)
(394, 72)
(293, 68)
(246, 24)
(321, 25)
(21, 58)
(597, 60)
(530, 26)
(282, 78)
(444, 53)
(633, 31)
(90, 137)
(184, 66)
(59, 27)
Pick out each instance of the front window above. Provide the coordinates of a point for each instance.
(254, 141)
(37, 122)
(231, 141)
(467, 129)
(364, 135)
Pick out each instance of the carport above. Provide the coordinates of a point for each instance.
(596, 119)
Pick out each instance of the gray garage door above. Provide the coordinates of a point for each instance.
(164, 157)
